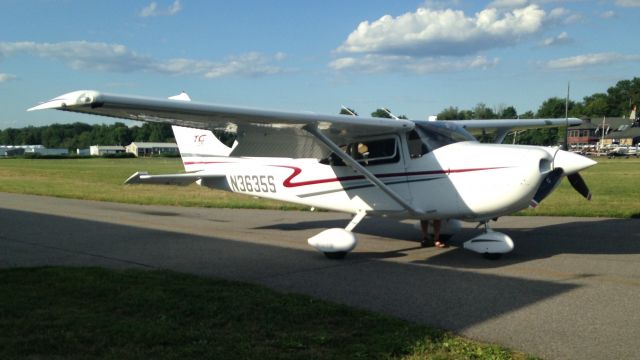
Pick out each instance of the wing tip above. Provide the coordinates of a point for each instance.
(136, 178)
(74, 98)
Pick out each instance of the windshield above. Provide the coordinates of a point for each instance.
(437, 134)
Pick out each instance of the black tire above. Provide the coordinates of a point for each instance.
(339, 255)
(492, 256)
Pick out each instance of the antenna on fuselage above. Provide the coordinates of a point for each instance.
(348, 111)
(390, 113)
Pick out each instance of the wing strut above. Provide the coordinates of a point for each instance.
(362, 170)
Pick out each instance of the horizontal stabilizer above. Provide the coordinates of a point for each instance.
(166, 179)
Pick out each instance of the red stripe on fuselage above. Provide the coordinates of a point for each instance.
(288, 182)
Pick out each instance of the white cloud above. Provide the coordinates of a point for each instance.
(378, 63)
(152, 9)
(251, 64)
(118, 58)
(6, 77)
(563, 16)
(562, 39)
(428, 32)
(588, 60)
(80, 54)
(436, 39)
(508, 4)
(608, 14)
(628, 3)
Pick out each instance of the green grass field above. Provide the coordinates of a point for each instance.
(102, 179)
(614, 183)
(72, 313)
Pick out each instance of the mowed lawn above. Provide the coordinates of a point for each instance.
(103, 180)
(615, 185)
(91, 313)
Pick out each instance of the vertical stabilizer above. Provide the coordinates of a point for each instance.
(197, 146)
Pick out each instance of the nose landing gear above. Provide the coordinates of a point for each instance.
(491, 244)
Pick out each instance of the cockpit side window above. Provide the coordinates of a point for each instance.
(417, 147)
(442, 133)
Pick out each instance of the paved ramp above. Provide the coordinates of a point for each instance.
(571, 289)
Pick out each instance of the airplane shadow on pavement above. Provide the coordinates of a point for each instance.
(598, 237)
(453, 299)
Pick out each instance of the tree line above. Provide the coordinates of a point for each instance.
(615, 102)
(81, 136)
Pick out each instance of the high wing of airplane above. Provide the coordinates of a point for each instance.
(360, 165)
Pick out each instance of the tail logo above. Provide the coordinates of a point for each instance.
(199, 139)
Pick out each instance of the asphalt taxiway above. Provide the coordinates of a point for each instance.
(570, 289)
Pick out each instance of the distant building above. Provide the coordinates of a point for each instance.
(83, 152)
(10, 150)
(630, 136)
(39, 149)
(15, 150)
(100, 150)
(151, 148)
(594, 131)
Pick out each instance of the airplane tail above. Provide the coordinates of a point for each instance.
(198, 147)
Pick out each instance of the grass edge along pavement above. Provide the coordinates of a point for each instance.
(613, 183)
(74, 313)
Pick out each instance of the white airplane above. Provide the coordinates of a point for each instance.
(365, 166)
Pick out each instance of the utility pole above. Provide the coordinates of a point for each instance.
(566, 116)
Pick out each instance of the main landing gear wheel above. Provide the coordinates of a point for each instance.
(339, 255)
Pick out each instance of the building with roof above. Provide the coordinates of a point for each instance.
(629, 136)
(101, 150)
(15, 150)
(593, 133)
(152, 148)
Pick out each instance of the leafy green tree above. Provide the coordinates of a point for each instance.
(623, 96)
(527, 115)
(553, 108)
(596, 105)
(481, 111)
(450, 113)
(508, 113)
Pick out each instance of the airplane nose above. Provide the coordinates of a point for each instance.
(570, 162)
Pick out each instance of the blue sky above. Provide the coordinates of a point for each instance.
(414, 57)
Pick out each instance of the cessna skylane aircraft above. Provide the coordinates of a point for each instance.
(414, 169)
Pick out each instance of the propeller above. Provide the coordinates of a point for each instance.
(578, 183)
(571, 164)
(548, 184)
